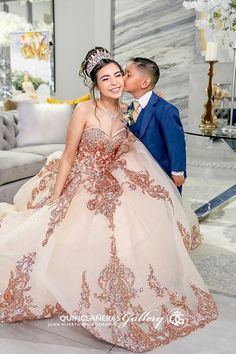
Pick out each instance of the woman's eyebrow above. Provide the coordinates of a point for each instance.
(107, 75)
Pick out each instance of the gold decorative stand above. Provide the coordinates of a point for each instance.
(209, 119)
(231, 128)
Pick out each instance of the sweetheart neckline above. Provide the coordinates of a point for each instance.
(110, 136)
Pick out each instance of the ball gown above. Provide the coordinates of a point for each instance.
(110, 254)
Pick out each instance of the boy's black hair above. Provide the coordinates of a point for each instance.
(148, 65)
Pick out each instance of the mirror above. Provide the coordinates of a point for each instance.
(38, 16)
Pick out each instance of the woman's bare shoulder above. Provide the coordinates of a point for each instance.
(84, 106)
(81, 112)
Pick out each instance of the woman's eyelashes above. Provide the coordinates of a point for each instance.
(117, 75)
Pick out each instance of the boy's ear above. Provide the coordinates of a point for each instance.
(146, 83)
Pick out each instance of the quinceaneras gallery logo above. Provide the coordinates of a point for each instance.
(176, 318)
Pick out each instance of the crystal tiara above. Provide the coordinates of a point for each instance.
(95, 59)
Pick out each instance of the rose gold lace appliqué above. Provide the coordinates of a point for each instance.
(195, 237)
(16, 303)
(95, 155)
(117, 281)
(48, 172)
(98, 156)
(117, 284)
(142, 180)
(104, 186)
(60, 206)
(193, 241)
(94, 161)
(185, 236)
(84, 304)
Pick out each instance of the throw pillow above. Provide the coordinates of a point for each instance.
(42, 123)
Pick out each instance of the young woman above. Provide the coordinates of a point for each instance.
(100, 236)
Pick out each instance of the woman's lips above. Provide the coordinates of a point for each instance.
(115, 89)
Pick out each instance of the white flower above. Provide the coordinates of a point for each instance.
(202, 23)
(220, 17)
(10, 23)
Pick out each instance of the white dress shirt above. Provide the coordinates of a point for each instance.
(143, 101)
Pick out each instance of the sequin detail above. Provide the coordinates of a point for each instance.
(60, 207)
(118, 296)
(185, 236)
(48, 174)
(92, 169)
(105, 158)
(117, 283)
(16, 303)
(97, 157)
(190, 241)
(142, 180)
(195, 237)
(177, 317)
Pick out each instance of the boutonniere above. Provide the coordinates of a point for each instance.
(128, 117)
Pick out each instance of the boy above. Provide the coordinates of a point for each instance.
(156, 122)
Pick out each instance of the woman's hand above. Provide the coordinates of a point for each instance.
(52, 199)
(74, 133)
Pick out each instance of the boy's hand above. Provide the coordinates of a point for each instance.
(178, 180)
(160, 94)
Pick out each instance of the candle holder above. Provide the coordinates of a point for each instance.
(231, 129)
(209, 119)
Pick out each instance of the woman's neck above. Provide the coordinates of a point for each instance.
(110, 104)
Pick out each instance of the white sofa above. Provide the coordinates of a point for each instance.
(25, 142)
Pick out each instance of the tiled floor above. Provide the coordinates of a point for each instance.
(211, 171)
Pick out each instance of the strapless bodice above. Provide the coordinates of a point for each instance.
(98, 150)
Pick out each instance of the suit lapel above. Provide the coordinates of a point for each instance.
(148, 112)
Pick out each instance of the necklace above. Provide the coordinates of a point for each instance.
(109, 114)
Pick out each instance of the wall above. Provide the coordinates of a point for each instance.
(160, 29)
(163, 31)
(79, 26)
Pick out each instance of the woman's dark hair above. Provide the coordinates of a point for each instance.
(93, 75)
(149, 66)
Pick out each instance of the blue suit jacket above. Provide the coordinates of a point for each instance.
(159, 128)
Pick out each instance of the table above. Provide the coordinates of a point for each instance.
(223, 199)
(210, 133)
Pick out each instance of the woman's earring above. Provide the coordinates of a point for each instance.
(96, 93)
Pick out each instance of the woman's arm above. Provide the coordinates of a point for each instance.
(74, 133)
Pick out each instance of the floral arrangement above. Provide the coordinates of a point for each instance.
(11, 23)
(220, 17)
(128, 117)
